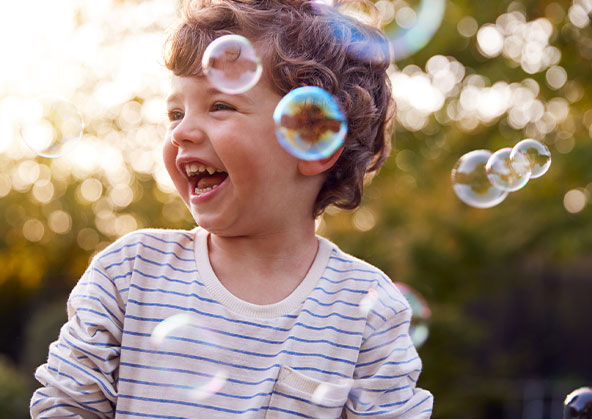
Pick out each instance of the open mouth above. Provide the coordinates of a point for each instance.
(204, 178)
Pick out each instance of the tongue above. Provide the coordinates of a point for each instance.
(210, 181)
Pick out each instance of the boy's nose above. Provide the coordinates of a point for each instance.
(187, 132)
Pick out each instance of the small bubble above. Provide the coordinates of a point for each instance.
(309, 123)
(231, 64)
(52, 127)
(184, 335)
(501, 170)
(578, 404)
(419, 329)
(470, 181)
(533, 151)
(368, 301)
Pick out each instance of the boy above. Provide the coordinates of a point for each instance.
(277, 325)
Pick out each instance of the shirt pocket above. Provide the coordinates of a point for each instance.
(297, 394)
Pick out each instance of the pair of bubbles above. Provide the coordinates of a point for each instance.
(309, 123)
(187, 333)
(483, 179)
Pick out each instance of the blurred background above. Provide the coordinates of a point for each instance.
(508, 287)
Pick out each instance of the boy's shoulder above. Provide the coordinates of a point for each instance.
(349, 270)
(149, 240)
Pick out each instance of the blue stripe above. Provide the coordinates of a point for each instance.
(200, 358)
(321, 371)
(148, 247)
(74, 406)
(390, 328)
(194, 387)
(100, 302)
(91, 354)
(146, 415)
(204, 406)
(137, 271)
(59, 416)
(267, 341)
(86, 373)
(190, 372)
(341, 316)
(78, 309)
(365, 364)
(303, 400)
(63, 374)
(107, 293)
(347, 303)
(340, 290)
(216, 316)
(374, 412)
(290, 412)
(258, 354)
(172, 241)
(143, 259)
(181, 294)
(104, 275)
(418, 403)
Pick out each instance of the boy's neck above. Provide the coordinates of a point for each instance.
(266, 268)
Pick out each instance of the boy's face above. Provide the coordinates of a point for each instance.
(256, 185)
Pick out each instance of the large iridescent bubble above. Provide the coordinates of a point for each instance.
(471, 183)
(181, 336)
(412, 28)
(231, 64)
(309, 123)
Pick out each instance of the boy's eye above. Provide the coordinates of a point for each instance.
(221, 106)
(175, 115)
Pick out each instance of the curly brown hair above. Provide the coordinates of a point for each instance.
(306, 43)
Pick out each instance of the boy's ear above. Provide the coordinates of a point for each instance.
(315, 167)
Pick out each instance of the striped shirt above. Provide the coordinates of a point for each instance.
(152, 333)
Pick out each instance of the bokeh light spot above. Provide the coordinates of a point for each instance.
(51, 127)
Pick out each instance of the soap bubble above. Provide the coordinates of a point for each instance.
(309, 123)
(470, 181)
(501, 170)
(533, 151)
(368, 301)
(231, 64)
(419, 329)
(51, 126)
(185, 338)
(413, 27)
(578, 404)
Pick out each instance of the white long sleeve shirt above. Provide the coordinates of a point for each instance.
(337, 346)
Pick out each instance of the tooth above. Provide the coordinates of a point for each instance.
(193, 167)
(211, 170)
(202, 168)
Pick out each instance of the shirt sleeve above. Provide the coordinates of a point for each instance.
(80, 376)
(388, 367)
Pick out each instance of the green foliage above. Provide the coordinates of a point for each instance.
(14, 392)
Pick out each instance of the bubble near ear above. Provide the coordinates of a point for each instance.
(309, 123)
